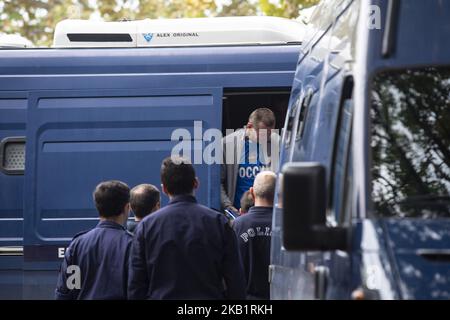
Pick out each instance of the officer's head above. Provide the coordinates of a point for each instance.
(178, 176)
(144, 199)
(263, 190)
(112, 200)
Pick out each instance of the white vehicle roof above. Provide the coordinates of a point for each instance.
(178, 32)
(14, 41)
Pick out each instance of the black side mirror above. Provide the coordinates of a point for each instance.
(304, 201)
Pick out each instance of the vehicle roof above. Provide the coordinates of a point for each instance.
(14, 41)
(220, 31)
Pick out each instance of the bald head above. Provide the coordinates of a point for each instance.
(144, 199)
(264, 187)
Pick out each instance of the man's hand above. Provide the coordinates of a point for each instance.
(232, 209)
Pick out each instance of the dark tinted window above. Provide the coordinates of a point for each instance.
(341, 158)
(410, 117)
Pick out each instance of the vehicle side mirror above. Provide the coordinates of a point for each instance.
(304, 210)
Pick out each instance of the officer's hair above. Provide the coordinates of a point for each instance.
(247, 201)
(177, 175)
(264, 185)
(110, 198)
(264, 115)
(143, 199)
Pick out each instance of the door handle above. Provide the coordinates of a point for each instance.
(11, 251)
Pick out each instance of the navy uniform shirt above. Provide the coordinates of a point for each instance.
(102, 255)
(254, 231)
(185, 251)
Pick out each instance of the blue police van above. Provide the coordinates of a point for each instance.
(102, 105)
(362, 202)
(363, 196)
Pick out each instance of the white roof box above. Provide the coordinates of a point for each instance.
(14, 41)
(178, 32)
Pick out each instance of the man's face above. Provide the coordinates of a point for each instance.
(263, 132)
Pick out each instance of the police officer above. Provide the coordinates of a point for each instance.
(184, 250)
(254, 231)
(95, 265)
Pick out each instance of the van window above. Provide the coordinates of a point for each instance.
(321, 19)
(290, 123)
(410, 143)
(238, 104)
(340, 165)
(343, 39)
(12, 155)
(303, 113)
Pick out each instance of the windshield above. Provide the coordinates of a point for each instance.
(410, 144)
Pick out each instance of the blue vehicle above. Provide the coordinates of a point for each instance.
(363, 201)
(72, 117)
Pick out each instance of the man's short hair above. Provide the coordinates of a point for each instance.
(264, 115)
(111, 197)
(143, 199)
(177, 175)
(264, 185)
(247, 201)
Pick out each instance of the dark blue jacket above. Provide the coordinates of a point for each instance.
(131, 226)
(254, 231)
(102, 255)
(185, 251)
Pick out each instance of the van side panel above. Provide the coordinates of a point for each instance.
(13, 108)
(226, 67)
(77, 139)
(98, 114)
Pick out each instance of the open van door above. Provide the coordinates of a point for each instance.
(76, 139)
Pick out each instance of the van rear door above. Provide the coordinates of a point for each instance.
(76, 139)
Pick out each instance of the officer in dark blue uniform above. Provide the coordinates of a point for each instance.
(184, 250)
(254, 231)
(95, 265)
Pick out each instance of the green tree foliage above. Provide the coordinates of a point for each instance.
(36, 19)
(116, 10)
(285, 8)
(239, 8)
